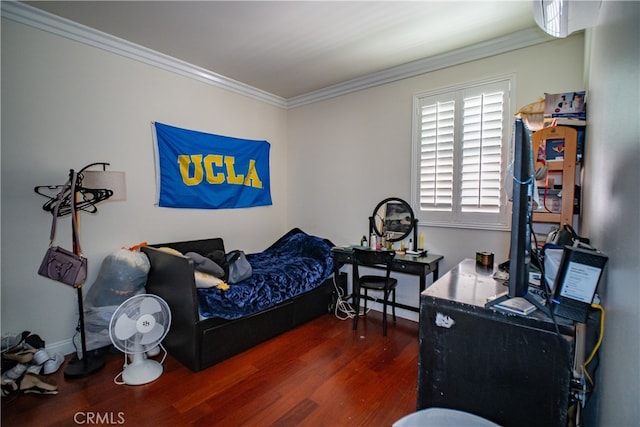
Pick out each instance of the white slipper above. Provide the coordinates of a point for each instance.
(34, 369)
(53, 364)
(41, 356)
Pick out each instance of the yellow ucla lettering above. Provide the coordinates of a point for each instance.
(232, 178)
(210, 161)
(184, 161)
(252, 179)
(207, 167)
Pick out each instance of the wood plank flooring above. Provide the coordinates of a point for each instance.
(320, 374)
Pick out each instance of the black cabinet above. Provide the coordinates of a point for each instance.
(512, 370)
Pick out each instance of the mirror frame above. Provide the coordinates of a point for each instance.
(376, 221)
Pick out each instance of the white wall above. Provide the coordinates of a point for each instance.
(612, 204)
(65, 105)
(348, 153)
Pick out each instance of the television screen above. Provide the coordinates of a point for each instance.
(519, 256)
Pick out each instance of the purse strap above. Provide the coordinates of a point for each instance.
(54, 212)
(71, 187)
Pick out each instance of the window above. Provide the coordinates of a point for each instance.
(460, 153)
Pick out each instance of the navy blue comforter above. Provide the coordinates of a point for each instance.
(294, 264)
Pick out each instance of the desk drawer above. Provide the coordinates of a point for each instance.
(410, 267)
(343, 257)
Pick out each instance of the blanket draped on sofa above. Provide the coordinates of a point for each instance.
(294, 264)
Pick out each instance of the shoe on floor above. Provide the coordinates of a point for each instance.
(34, 369)
(14, 373)
(34, 341)
(38, 384)
(20, 355)
(41, 356)
(9, 387)
(10, 341)
(53, 364)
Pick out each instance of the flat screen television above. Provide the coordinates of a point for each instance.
(520, 252)
(522, 210)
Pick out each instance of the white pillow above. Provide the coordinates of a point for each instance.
(170, 251)
(204, 280)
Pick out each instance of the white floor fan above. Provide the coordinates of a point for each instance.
(138, 326)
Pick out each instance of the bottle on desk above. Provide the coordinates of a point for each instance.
(363, 242)
(373, 241)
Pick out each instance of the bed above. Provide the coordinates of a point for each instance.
(292, 283)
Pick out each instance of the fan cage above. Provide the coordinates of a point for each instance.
(136, 344)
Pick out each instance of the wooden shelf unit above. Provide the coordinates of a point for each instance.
(565, 167)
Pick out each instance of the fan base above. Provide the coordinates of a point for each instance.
(141, 372)
(78, 368)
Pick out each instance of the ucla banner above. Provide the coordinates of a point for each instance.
(207, 171)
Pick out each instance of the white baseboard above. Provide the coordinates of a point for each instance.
(65, 347)
(400, 312)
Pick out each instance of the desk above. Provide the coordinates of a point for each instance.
(514, 371)
(408, 264)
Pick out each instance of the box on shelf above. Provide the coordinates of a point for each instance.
(550, 201)
(565, 105)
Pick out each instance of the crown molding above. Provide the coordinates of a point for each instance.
(37, 18)
(48, 22)
(518, 40)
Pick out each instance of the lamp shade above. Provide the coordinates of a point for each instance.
(108, 180)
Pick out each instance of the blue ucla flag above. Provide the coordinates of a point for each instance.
(205, 171)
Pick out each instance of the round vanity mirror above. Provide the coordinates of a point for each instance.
(393, 218)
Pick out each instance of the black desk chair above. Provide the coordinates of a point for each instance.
(385, 283)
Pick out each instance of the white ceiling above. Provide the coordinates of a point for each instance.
(291, 48)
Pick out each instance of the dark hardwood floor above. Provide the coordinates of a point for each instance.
(320, 374)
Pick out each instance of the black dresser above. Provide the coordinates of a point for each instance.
(511, 370)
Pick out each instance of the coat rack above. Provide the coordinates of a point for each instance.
(84, 198)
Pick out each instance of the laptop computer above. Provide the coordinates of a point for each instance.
(576, 282)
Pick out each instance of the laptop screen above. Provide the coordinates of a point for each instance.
(580, 282)
(576, 282)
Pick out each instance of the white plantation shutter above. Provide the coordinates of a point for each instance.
(481, 153)
(460, 153)
(436, 156)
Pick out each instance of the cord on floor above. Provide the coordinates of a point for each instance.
(343, 309)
